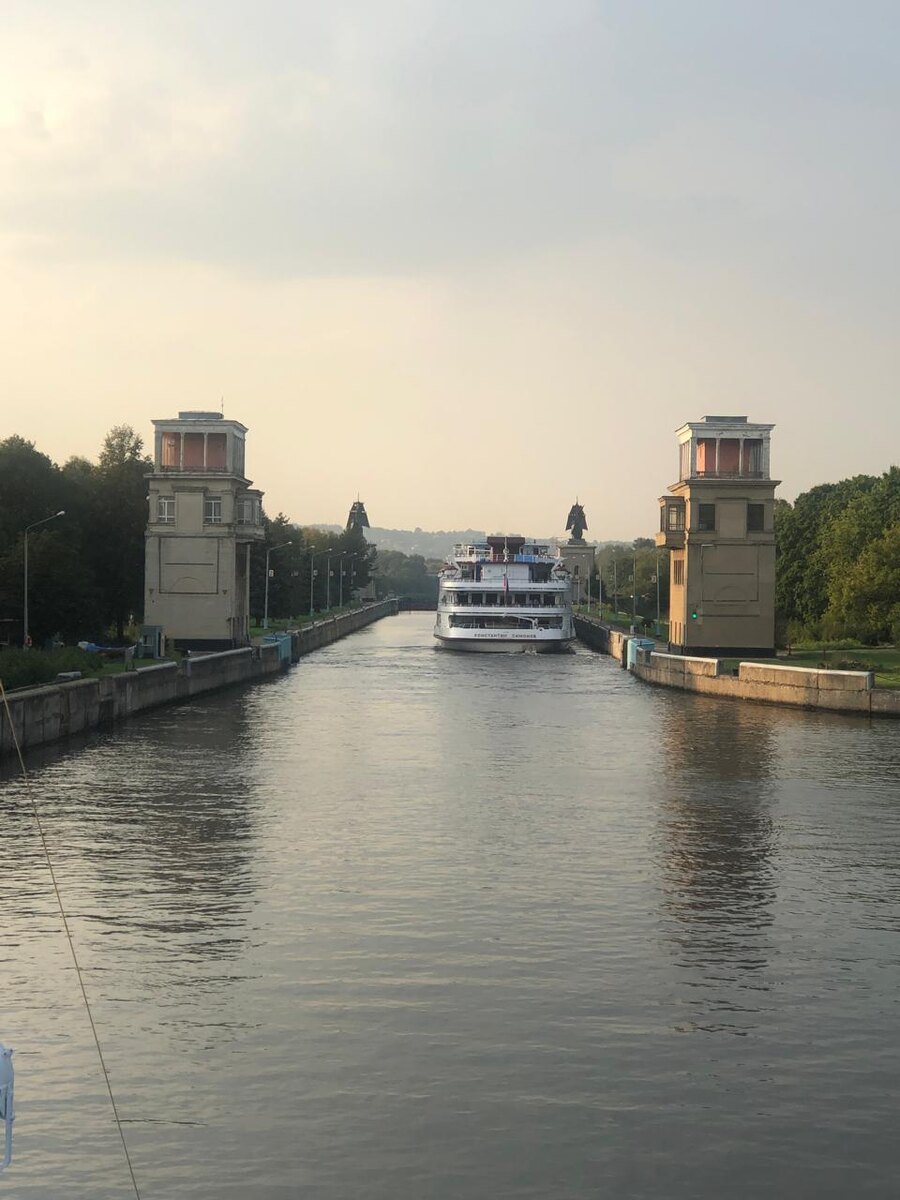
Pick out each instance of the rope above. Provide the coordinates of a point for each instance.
(62, 913)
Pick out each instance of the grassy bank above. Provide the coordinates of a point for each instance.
(883, 660)
(623, 620)
(24, 668)
(280, 624)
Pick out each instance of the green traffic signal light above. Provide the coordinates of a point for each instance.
(693, 616)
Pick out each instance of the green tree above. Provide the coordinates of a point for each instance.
(287, 567)
(405, 575)
(115, 542)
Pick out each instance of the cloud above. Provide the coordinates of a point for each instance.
(408, 137)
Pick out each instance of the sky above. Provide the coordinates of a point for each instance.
(469, 259)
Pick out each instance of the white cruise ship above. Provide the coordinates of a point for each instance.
(505, 594)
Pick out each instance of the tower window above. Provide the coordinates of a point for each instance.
(678, 572)
(165, 510)
(171, 450)
(247, 511)
(706, 518)
(216, 447)
(756, 518)
(193, 451)
(212, 510)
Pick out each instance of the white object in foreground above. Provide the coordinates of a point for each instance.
(6, 1103)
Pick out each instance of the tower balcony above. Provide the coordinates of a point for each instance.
(672, 513)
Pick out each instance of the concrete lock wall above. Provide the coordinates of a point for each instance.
(45, 714)
(769, 683)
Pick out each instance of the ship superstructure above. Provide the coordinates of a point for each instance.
(507, 593)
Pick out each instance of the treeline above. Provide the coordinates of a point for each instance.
(411, 576)
(317, 569)
(838, 567)
(625, 576)
(86, 567)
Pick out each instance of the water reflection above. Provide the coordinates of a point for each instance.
(716, 844)
(154, 826)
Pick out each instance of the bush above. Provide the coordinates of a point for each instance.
(827, 647)
(24, 668)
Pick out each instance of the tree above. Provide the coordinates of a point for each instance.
(405, 575)
(115, 543)
(866, 596)
(31, 487)
(287, 566)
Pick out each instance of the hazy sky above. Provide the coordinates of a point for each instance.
(467, 258)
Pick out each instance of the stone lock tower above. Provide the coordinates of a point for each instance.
(204, 516)
(718, 524)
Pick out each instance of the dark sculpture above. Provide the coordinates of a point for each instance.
(358, 518)
(577, 522)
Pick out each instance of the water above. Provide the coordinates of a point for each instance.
(406, 924)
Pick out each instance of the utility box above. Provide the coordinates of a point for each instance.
(153, 642)
(635, 644)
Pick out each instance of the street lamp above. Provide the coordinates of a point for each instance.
(634, 588)
(346, 554)
(313, 554)
(269, 552)
(26, 640)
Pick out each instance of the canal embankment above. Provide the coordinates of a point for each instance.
(48, 713)
(767, 683)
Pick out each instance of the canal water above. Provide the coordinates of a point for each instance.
(411, 925)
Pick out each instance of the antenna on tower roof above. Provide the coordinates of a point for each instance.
(222, 406)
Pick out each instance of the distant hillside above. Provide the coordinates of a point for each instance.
(429, 543)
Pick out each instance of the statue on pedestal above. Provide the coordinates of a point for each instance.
(358, 518)
(577, 522)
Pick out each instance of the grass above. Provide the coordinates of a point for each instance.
(622, 620)
(280, 624)
(883, 660)
(27, 668)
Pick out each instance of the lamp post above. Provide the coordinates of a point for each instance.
(26, 640)
(313, 554)
(341, 581)
(634, 588)
(269, 552)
